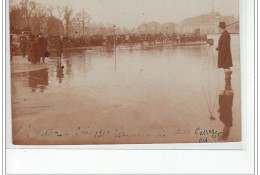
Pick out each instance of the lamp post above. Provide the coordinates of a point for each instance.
(114, 27)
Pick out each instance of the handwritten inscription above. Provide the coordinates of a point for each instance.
(101, 133)
(203, 135)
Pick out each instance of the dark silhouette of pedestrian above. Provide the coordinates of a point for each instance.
(33, 50)
(42, 47)
(11, 47)
(32, 54)
(23, 45)
(59, 50)
(37, 49)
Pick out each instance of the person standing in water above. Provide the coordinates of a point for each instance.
(224, 54)
(225, 98)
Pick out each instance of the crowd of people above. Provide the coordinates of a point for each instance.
(101, 40)
(37, 46)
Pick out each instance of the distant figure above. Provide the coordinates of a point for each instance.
(37, 49)
(42, 47)
(59, 46)
(23, 45)
(11, 47)
(32, 50)
(178, 39)
(27, 28)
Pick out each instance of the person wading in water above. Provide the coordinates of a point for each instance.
(225, 98)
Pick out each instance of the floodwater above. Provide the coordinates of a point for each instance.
(142, 94)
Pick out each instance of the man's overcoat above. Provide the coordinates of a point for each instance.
(224, 52)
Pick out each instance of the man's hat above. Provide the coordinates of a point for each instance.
(222, 25)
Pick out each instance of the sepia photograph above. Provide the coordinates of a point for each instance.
(89, 72)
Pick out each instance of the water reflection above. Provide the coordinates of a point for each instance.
(225, 112)
(152, 47)
(38, 79)
(59, 74)
(225, 105)
(109, 49)
(68, 71)
(209, 78)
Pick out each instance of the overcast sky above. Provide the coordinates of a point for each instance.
(131, 13)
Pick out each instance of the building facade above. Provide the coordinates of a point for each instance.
(208, 23)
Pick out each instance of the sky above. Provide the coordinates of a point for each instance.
(131, 13)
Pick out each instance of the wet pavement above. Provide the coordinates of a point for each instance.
(144, 94)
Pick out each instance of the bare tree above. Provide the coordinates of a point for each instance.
(110, 29)
(84, 18)
(50, 10)
(77, 21)
(54, 26)
(60, 11)
(102, 29)
(16, 16)
(28, 9)
(41, 15)
(67, 17)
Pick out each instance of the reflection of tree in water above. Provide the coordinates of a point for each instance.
(148, 47)
(86, 64)
(80, 61)
(109, 49)
(38, 79)
(60, 74)
(68, 67)
(160, 47)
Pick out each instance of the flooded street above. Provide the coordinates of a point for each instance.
(145, 94)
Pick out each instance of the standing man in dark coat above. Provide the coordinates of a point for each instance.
(225, 62)
(23, 45)
(42, 47)
(33, 50)
(224, 52)
(224, 55)
(37, 50)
